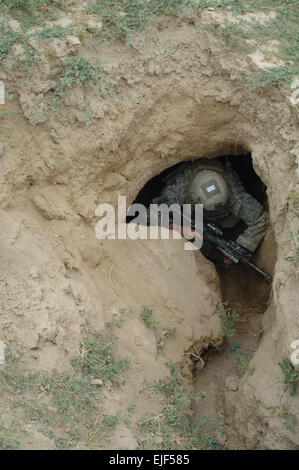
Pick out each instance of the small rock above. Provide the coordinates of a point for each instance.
(73, 41)
(211, 9)
(54, 136)
(98, 382)
(1, 150)
(15, 26)
(94, 26)
(229, 7)
(18, 50)
(33, 42)
(231, 383)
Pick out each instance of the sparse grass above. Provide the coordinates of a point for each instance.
(160, 334)
(49, 33)
(122, 18)
(288, 418)
(243, 365)
(74, 72)
(283, 28)
(79, 71)
(31, 6)
(291, 377)
(7, 39)
(97, 358)
(146, 316)
(101, 432)
(63, 405)
(7, 438)
(294, 259)
(228, 317)
(173, 428)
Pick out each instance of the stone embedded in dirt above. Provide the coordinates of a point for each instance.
(231, 383)
(73, 41)
(1, 150)
(98, 382)
(15, 26)
(54, 136)
(94, 26)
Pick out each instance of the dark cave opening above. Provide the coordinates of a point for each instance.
(242, 164)
(253, 185)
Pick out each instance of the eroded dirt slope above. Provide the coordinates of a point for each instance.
(177, 96)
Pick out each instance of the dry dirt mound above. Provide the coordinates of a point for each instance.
(180, 95)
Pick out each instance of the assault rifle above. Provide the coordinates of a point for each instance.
(230, 249)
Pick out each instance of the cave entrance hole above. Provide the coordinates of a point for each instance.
(242, 164)
(244, 288)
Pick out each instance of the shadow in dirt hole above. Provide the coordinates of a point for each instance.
(242, 164)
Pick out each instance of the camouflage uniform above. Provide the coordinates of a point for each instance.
(241, 205)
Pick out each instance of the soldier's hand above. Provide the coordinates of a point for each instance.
(187, 232)
(228, 261)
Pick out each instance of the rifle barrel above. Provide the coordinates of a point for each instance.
(267, 276)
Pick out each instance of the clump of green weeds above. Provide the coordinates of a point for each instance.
(7, 441)
(160, 334)
(294, 259)
(283, 27)
(291, 377)
(101, 431)
(146, 316)
(79, 71)
(173, 428)
(288, 418)
(122, 18)
(243, 365)
(30, 6)
(97, 358)
(228, 317)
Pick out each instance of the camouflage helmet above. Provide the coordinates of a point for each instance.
(208, 188)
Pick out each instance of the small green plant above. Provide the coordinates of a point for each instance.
(131, 409)
(160, 334)
(30, 6)
(49, 33)
(173, 428)
(117, 320)
(146, 316)
(228, 317)
(79, 71)
(101, 432)
(7, 442)
(7, 39)
(288, 418)
(97, 357)
(122, 18)
(242, 365)
(291, 377)
(294, 259)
